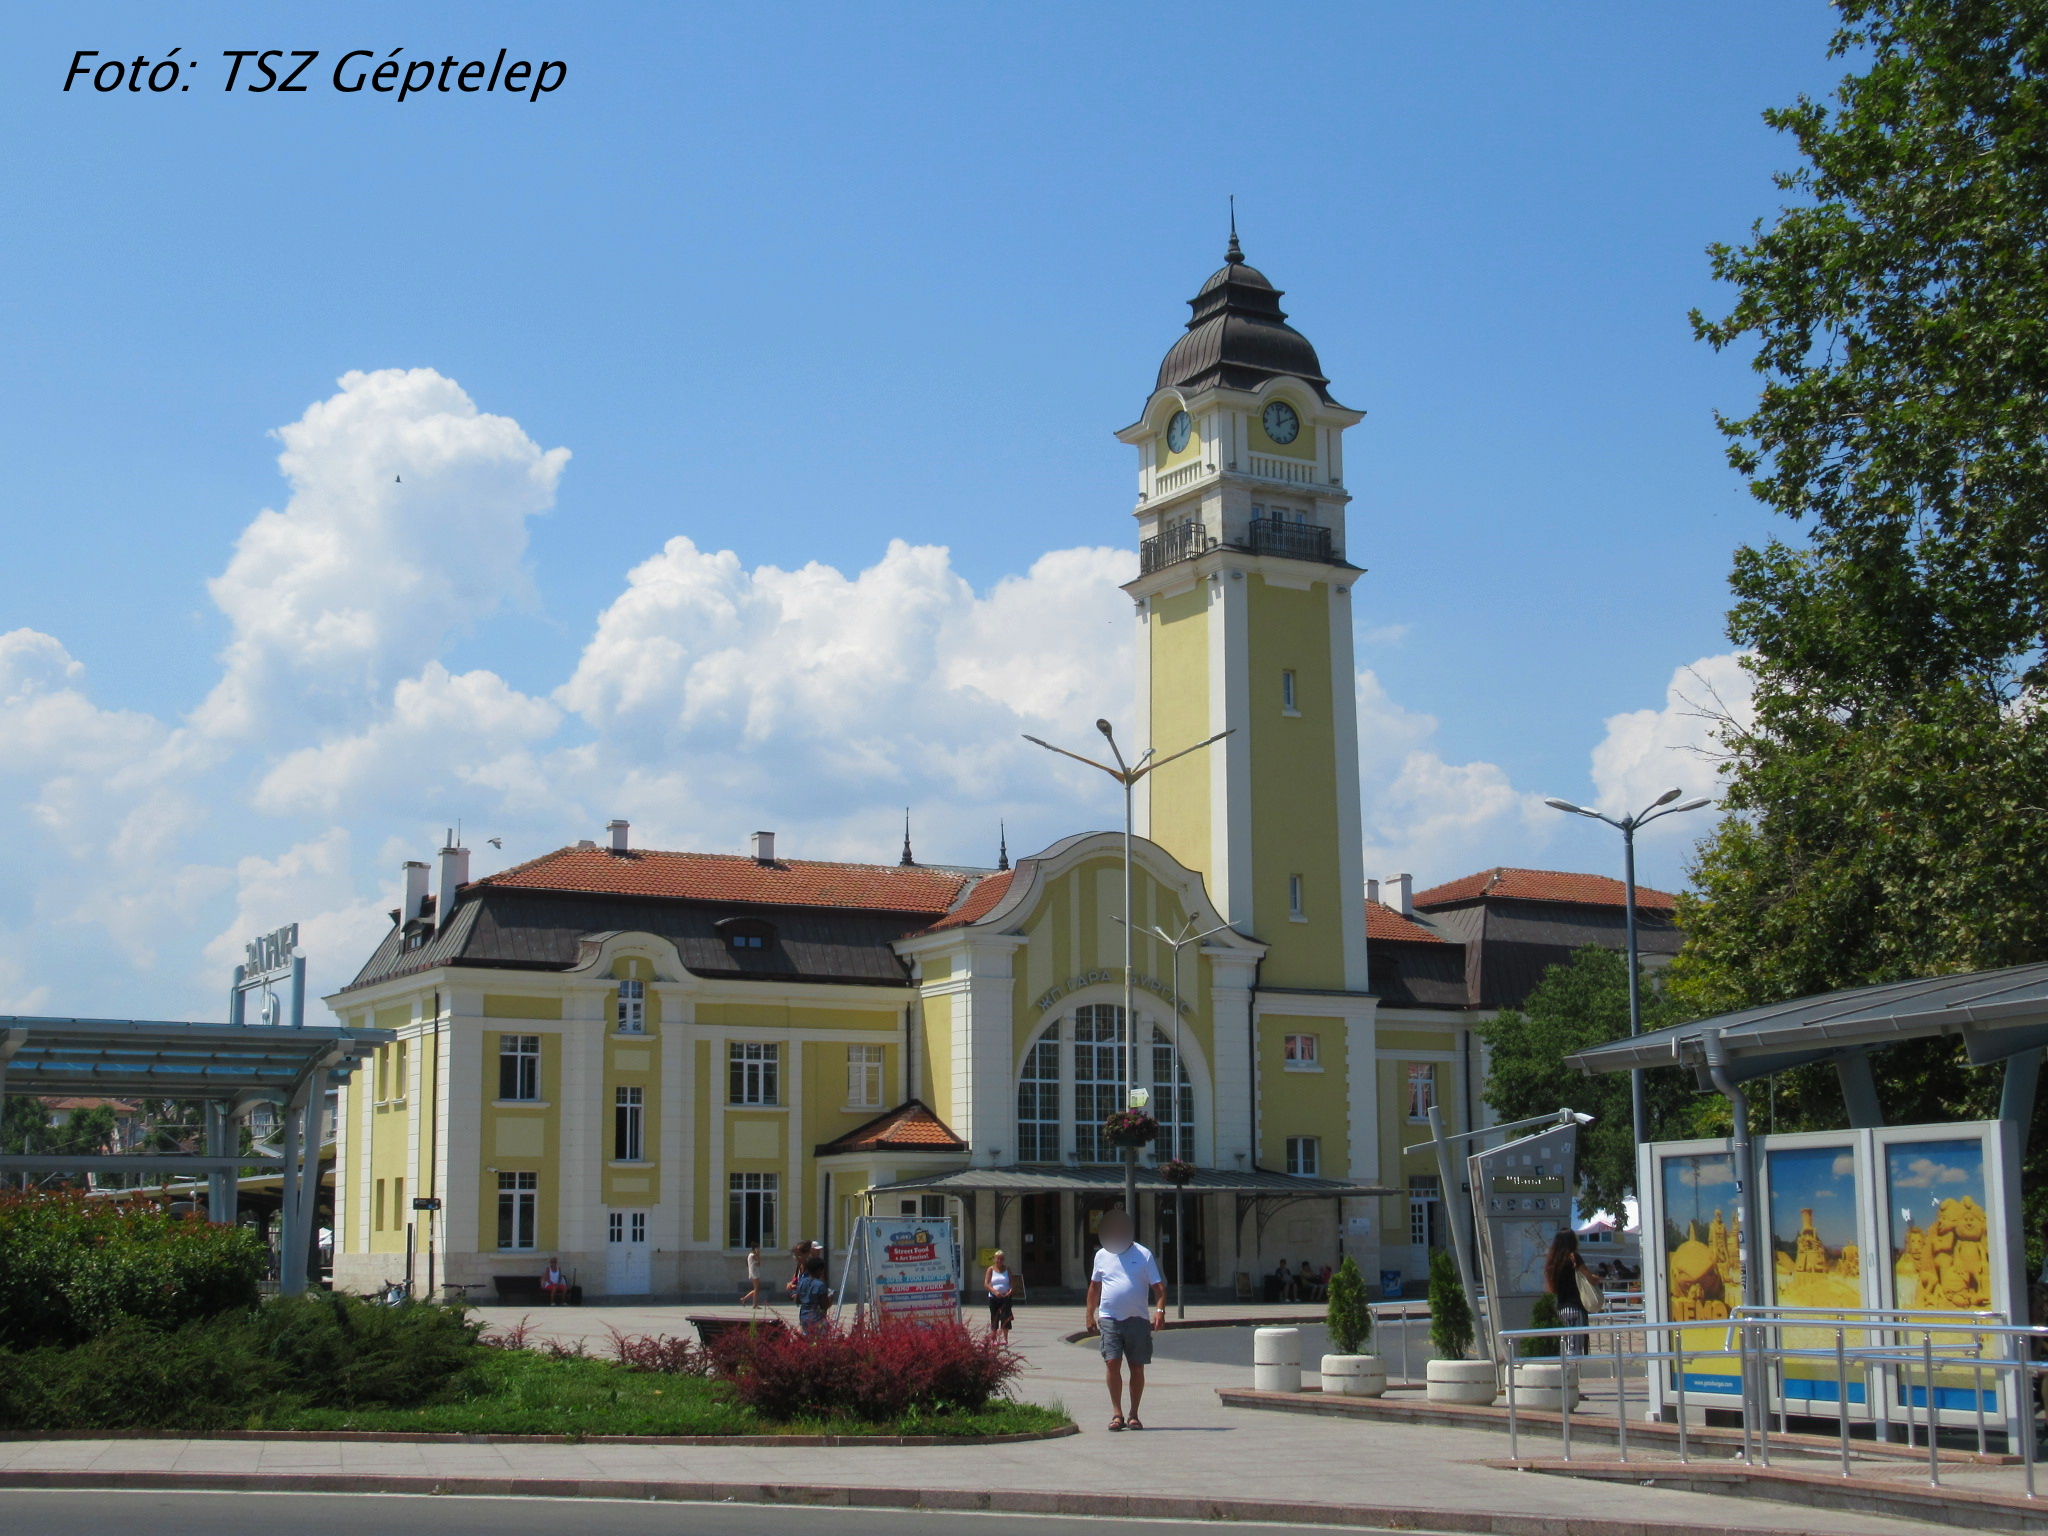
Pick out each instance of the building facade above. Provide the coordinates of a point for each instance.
(644, 1062)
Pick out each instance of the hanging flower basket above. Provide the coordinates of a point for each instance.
(1130, 1128)
(1177, 1171)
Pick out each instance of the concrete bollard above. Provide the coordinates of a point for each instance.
(1276, 1359)
(1542, 1384)
(1460, 1381)
(1354, 1376)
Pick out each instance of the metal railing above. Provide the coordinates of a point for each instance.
(1402, 1312)
(1896, 1345)
(1183, 541)
(1297, 541)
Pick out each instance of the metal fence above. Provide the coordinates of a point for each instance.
(1896, 1347)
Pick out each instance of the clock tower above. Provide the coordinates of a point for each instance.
(1244, 599)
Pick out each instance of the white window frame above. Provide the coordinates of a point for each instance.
(1421, 1075)
(522, 1054)
(518, 1212)
(1305, 1157)
(1425, 1195)
(629, 1124)
(632, 1007)
(751, 1202)
(1302, 1053)
(1038, 1100)
(864, 1076)
(753, 1072)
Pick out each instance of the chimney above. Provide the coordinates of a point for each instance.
(414, 872)
(618, 831)
(1402, 892)
(764, 847)
(1372, 890)
(454, 872)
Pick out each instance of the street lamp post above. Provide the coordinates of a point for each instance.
(1627, 826)
(1128, 774)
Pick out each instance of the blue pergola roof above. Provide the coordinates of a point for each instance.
(167, 1059)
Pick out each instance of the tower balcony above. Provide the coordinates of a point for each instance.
(1263, 536)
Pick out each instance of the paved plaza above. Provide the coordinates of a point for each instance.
(1195, 1447)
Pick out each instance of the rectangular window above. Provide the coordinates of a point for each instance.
(750, 1210)
(1287, 694)
(1305, 1156)
(632, 1007)
(519, 1066)
(518, 1210)
(615, 1227)
(1423, 1203)
(1294, 897)
(398, 1203)
(628, 1126)
(1421, 1089)
(378, 1205)
(864, 1076)
(1300, 1052)
(399, 1082)
(638, 1227)
(752, 1073)
(1098, 1078)
(383, 1074)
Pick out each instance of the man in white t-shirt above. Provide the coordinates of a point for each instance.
(1126, 1300)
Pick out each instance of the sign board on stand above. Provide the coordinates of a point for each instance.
(1521, 1195)
(904, 1267)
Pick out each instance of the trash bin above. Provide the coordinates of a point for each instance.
(1276, 1359)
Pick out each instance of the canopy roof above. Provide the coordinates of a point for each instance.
(165, 1059)
(1996, 1015)
(1108, 1179)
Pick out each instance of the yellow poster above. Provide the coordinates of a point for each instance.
(1816, 1261)
(1941, 1254)
(1703, 1265)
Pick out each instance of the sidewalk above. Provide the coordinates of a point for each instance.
(1199, 1459)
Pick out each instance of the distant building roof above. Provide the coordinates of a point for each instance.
(909, 1127)
(736, 877)
(980, 900)
(1383, 922)
(1542, 885)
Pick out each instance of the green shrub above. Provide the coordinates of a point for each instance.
(1349, 1321)
(71, 1269)
(338, 1352)
(1450, 1315)
(1542, 1315)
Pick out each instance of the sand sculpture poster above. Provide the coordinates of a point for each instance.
(1938, 1209)
(1702, 1234)
(1816, 1222)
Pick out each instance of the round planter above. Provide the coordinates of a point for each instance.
(1354, 1375)
(1542, 1384)
(1276, 1359)
(1461, 1381)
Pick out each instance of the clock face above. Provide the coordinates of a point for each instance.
(1177, 431)
(1282, 425)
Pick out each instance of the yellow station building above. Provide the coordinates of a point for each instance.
(643, 1061)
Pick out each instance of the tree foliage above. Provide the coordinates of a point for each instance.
(1450, 1314)
(1349, 1320)
(1576, 1006)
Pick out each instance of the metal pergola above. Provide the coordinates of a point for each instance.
(227, 1067)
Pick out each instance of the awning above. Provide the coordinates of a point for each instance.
(1108, 1179)
(166, 1059)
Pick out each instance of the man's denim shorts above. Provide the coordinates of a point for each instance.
(1126, 1338)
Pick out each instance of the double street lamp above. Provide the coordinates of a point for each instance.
(1628, 826)
(1128, 774)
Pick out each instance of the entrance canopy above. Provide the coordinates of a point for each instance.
(1108, 1179)
(151, 1059)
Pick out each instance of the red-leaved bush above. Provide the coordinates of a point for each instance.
(658, 1352)
(876, 1371)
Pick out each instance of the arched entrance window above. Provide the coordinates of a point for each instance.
(1038, 1101)
(1173, 1104)
(1098, 1077)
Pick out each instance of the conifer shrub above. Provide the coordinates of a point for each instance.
(1349, 1321)
(1450, 1315)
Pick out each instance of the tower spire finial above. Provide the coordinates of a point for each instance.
(1003, 850)
(906, 859)
(1235, 255)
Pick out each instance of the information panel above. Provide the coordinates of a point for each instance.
(911, 1267)
(1522, 1193)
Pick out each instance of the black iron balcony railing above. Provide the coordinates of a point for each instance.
(1296, 541)
(1183, 541)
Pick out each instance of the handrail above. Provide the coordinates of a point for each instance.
(1749, 1338)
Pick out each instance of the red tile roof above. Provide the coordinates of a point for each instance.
(735, 877)
(988, 890)
(1383, 922)
(1543, 885)
(909, 1127)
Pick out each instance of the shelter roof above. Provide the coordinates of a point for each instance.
(162, 1059)
(1996, 1014)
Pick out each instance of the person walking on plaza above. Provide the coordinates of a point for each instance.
(1001, 1287)
(813, 1295)
(753, 1296)
(1126, 1301)
(800, 1257)
(1566, 1277)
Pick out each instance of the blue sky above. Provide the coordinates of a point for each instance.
(795, 282)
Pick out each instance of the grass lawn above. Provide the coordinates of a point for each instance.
(518, 1392)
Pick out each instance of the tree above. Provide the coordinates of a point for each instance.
(1450, 1315)
(1578, 1005)
(1349, 1322)
(1888, 804)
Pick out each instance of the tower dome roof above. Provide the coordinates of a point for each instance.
(1238, 337)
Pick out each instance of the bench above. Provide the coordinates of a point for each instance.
(524, 1290)
(709, 1328)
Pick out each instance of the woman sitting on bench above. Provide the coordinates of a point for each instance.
(554, 1285)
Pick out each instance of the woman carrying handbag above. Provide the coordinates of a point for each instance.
(1576, 1288)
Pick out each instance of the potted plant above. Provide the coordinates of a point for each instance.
(1177, 1171)
(1348, 1370)
(1451, 1378)
(1130, 1128)
(1540, 1377)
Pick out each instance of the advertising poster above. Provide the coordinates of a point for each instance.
(1815, 1257)
(910, 1268)
(1702, 1247)
(1938, 1213)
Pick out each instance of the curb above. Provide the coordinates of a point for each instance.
(1969, 1508)
(957, 1500)
(437, 1437)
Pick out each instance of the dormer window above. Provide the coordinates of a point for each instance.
(632, 1007)
(747, 936)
